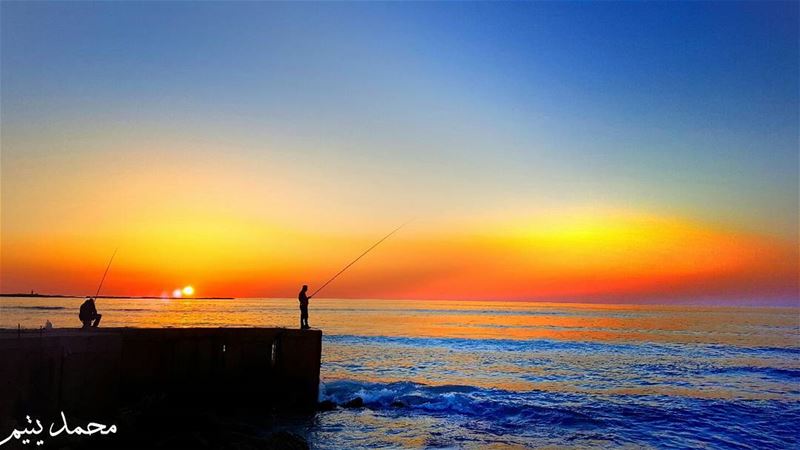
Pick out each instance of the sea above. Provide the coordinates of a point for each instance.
(490, 374)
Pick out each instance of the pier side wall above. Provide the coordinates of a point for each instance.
(95, 372)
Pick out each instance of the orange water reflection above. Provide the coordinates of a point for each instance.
(761, 327)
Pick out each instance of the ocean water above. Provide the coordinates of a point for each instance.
(457, 374)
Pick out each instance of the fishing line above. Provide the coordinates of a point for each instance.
(359, 257)
(105, 273)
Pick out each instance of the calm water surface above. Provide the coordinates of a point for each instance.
(512, 374)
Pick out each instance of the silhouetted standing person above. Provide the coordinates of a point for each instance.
(88, 314)
(303, 308)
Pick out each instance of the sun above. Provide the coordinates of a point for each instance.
(188, 290)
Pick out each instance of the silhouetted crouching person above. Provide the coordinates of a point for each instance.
(88, 314)
(303, 308)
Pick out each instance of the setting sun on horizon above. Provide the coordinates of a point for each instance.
(580, 255)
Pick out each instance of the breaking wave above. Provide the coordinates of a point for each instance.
(661, 421)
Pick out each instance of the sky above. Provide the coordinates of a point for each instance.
(587, 151)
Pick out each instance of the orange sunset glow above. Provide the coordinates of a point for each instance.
(583, 255)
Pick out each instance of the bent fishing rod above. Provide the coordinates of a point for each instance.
(359, 257)
(105, 273)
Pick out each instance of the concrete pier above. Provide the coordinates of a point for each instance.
(93, 373)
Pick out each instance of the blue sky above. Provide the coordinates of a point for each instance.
(693, 105)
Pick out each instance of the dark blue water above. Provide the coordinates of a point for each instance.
(586, 394)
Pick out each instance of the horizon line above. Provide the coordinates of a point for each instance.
(789, 303)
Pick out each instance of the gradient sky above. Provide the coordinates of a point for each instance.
(610, 152)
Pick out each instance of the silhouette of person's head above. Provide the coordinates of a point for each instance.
(305, 287)
(90, 299)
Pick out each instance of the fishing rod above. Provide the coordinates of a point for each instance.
(359, 257)
(106, 272)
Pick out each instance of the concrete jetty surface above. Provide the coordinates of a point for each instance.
(93, 373)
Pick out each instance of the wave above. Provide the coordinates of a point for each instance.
(452, 399)
(576, 347)
(661, 421)
(478, 312)
(44, 308)
(771, 372)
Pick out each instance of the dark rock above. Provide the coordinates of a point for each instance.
(357, 402)
(398, 404)
(284, 440)
(326, 405)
